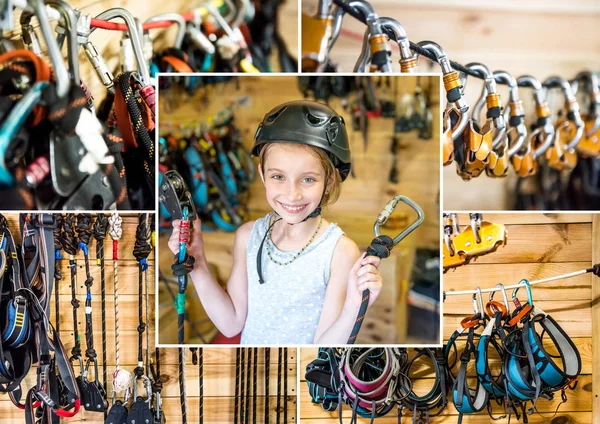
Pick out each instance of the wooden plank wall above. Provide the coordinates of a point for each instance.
(533, 37)
(362, 198)
(107, 42)
(539, 246)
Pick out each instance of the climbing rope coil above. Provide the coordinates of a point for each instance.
(371, 381)
(560, 148)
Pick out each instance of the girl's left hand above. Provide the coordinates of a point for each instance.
(364, 275)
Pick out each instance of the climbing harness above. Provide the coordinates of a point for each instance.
(27, 336)
(176, 198)
(140, 409)
(381, 246)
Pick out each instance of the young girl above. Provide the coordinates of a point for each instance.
(296, 278)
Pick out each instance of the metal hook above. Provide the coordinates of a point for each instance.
(593, 91)
(60, 70)
(490, 96)
(71, 21)
(174, 17)
(514, 113)
(452, 84)
(542, 112)
(478, 303)
(389, 209)
(132, 30)
(571, 106)
(504, 296)
(475, 225)
(525, 283)
(408, 61)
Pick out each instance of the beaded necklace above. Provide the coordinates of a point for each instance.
(270, 246)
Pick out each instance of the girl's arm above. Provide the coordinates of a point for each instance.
(226, 308)
(351, 273)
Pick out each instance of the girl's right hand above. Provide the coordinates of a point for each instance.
(195, 247)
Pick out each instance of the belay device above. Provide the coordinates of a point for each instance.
(381, 246)
(176, 198)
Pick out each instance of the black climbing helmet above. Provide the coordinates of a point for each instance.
(306, 122)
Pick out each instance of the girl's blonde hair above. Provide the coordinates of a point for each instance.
(334, 188)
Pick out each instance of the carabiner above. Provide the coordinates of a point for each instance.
(60, 71)
(132, 31)
(453, 87)
(514, 113)
(572, 108)
(525, 283)
(504, 297)
(396, 32)
(478, 303)
(71, 22)
(543, 124)
(387, 212)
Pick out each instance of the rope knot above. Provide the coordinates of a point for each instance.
(183, 268)
(381, 247)
(141, 328)
(75, 303)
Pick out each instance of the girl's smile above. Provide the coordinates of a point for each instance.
(294, 181)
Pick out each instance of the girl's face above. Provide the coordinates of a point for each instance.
(294, 180)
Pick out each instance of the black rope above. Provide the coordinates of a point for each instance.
(242, 379)
(58, 219)
(69, 243)
(236, 410)
(100, 228)
(285, 382)
(84, 232)
(418, 49)
(141, 250)
(279, 358)
(201, 384)
(267, 369)
(182, 399)
(254, 375)
(248, 377)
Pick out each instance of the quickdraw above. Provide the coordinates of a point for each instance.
(381, 246)
(177, 200)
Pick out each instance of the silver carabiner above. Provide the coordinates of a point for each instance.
(389, 209)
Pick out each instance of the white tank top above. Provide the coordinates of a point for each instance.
(286, 308)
